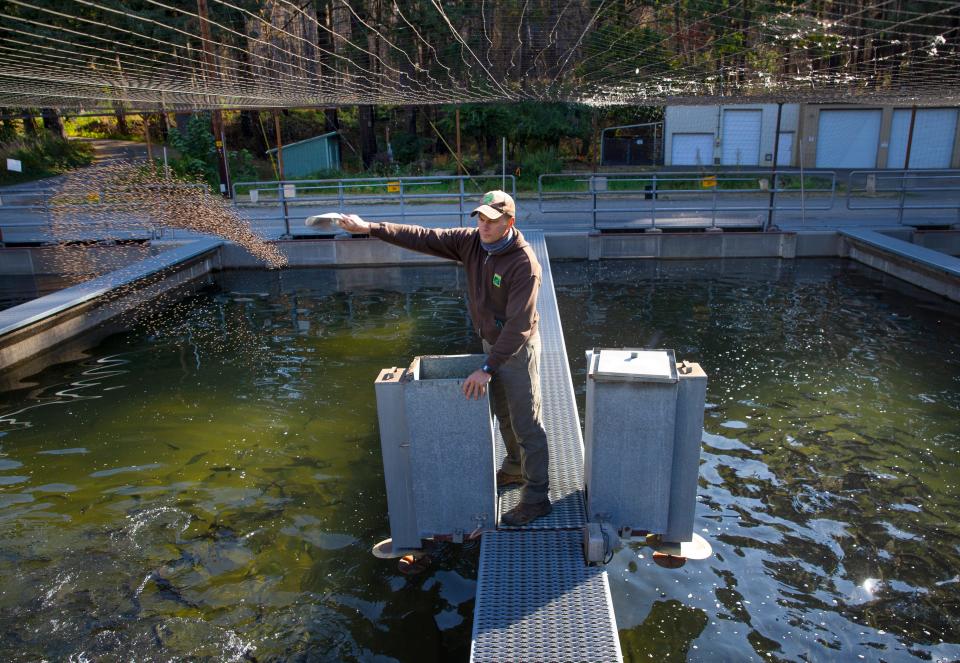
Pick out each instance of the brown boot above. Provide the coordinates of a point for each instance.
(524, 513)
(504, 479)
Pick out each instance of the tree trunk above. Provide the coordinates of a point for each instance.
(331, 120)
(8, 129)
(411, 119)
(29, 127)
(481, 144)
(492, 144)
(368, 135)
(250, 131)
(52, 122)
(163, 126)
(121, 119)
(182, 120)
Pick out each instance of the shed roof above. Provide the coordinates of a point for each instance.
(304, 141)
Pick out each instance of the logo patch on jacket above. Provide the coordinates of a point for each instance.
(497, 279)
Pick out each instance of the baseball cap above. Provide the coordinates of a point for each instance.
(495, 204)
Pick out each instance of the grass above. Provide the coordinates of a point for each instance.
(42, 156)
(102, 127)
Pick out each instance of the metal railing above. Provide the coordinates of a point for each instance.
(344, 194)
(25, 199)
(904, 190)
(671, 192)
(32, 214)
(25, 210)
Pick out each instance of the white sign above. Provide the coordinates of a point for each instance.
(254, 195)
(13, 164)
(289, 190)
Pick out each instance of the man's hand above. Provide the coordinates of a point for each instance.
(475, 386)
(354, 224)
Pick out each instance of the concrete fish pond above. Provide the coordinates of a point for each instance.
(211, 487)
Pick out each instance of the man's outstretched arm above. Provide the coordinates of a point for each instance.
(443, 243)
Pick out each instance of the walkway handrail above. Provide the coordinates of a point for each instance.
(348, 191)
(702, 186)
(39, 201)
(877, 182)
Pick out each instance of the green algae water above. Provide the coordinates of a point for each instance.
(829, 484)
(208, 485)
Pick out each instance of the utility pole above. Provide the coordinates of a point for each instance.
(216, 117)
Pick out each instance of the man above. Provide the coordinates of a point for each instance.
(503, 279)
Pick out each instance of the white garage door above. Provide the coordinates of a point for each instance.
(741, 138)
(785, 149)
(848, 138)
(934, 133)
(692, 150)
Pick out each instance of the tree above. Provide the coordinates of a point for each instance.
(52, 122)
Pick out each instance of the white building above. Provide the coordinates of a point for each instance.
(734, 135)
(830, 136)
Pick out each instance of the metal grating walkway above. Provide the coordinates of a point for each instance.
(559, 412)
(538, 601)
(536, 598)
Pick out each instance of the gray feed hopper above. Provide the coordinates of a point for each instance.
(644, 425)
(437, 451)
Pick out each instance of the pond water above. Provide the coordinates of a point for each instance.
(829, 477)
(208, 484)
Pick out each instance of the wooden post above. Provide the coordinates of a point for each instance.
(280, 185)
(459, 157)
(276, 129)
(146, 133)
(597, 139)
(216, 118)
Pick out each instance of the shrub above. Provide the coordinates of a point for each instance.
(328, 174)
(408, 148)
(242, 168)
(534, 164)
(197, 158)
(198, 152)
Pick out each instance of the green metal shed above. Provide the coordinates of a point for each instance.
(309, 156)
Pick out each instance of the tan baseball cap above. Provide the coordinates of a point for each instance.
(495, 204)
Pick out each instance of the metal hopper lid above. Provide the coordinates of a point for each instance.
(631, 364)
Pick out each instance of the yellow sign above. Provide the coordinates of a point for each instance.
(709, 181)
(93, 197)
(393, 187)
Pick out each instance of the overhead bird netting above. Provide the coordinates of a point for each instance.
(153, 54)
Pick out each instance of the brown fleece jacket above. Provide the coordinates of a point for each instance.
(502, 289)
